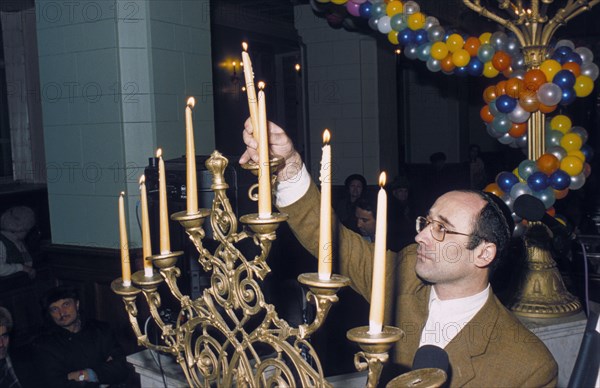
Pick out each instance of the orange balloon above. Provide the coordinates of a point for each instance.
(529, 101)
(518, 129)
(501, 88)
(494, 189)
(485, 114)
(507, 73)
(551, 211)
(560, 194)
(573, 67)
(534, 78)
(472, 45)
(514, 87)
(547, 108)
(501, 60)
(447, 64)
(489, 93)
(547, 163)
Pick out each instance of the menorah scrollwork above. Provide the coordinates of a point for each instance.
(230, 335)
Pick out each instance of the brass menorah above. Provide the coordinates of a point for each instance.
(230, 335)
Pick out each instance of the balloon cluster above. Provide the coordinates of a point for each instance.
(567, 73)
(564, 166)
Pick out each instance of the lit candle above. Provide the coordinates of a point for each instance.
(250, 90)
(190, 151)
(264, 175)
(125, 263)
(165, 240)
(146, 243)
(378, 283)
(325, 248)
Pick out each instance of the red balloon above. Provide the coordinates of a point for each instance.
(501, 60)
(534, 78)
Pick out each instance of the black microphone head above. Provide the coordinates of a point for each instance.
(529, 207)
(430, 356)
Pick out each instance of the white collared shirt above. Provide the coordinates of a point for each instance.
(447, 317)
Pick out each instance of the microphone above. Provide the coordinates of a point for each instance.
(430, 369)
(532, 209)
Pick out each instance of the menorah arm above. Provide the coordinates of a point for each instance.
(323, 305)
(477, 7)
(563, 15)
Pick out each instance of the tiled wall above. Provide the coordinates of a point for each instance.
(113, 88)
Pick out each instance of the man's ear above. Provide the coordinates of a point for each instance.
(486, 253)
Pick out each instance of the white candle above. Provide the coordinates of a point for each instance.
(250, 90)
(165, 238)
(264, 174)
(146, 242)
(125, 262)
(190, 153)
(325, 248)
(378, 283)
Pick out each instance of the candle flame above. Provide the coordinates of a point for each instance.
(122, 194)
(142, 179)
(191, 102)
(326, 136)
(245, 46)
(159, 153)
(243, 88)
(233, 64)
(297, 67)
(261, 85)
(382, 179)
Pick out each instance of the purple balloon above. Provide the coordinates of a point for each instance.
(353, 8)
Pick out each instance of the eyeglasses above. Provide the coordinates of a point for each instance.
(438, 230)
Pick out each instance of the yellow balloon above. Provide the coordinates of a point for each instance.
(393, 37)
(455, 42)
(489, 70)
(485, 37)
(439, 51)
(572, 165)
(516, 172)
(339, 2)
(583, 86)
(550, 67)
(323, 1)
(578, 154)
(461, 58)
(394, 7)
(571, 142)
(561, 123)
(416, 21)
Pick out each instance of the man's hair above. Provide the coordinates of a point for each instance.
(368, 203)
(493, 224)
(355, 177)
(6, 319)
(17, 219)
(58, 293)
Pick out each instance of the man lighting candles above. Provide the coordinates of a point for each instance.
(437, 290)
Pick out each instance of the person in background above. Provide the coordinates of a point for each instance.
(74, 350)
(366, 212)
(476, 168)
(345, 208)
(15, 224)
(401, 215)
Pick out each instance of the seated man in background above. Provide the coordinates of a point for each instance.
(74, 350)
(15, 223)
(438, 291)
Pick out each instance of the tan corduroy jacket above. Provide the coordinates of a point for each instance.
(493, 350)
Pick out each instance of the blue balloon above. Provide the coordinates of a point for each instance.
(568, 96)
(573, 57)
(537, 181)
(565, 79)
(365, 9)
(461, 71)
(588, 152)
(506, 180)
(475, 67)
(421, 37)
(406, 36)
(559, 180)
(505, 104)
(563, 50)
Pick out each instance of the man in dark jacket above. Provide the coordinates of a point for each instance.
(75, 351)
